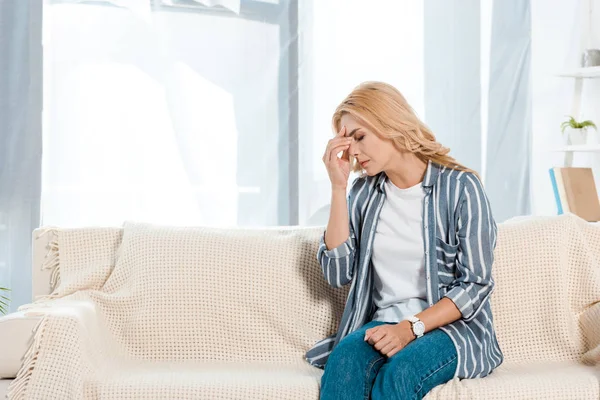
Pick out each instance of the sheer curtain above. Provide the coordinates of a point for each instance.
(341, 46)
(20, 142)
(190, 114)
(448, 58)
(172, 119)
(202, 116)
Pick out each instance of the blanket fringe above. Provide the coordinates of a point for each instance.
(17, 388)
(45, 230)
(52, 260)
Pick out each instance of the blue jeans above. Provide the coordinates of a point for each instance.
(356, 370)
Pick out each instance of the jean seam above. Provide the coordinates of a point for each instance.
(420, 387)
(367, 393)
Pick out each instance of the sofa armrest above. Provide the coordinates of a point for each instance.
(40, 278)
(16, 331)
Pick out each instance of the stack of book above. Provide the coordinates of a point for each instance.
(575, 192)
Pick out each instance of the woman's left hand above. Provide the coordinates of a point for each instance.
(390, 339)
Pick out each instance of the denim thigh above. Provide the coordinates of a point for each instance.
(422, 365)
(351, 367)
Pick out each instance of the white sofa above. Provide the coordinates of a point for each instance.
(546, 310)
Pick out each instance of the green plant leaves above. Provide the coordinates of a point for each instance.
(572, 123)
(4, 301)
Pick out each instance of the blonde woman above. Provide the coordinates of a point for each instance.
(415, 240)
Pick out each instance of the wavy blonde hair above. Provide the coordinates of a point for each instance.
(385, 111)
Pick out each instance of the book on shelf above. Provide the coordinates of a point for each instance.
(575, 192)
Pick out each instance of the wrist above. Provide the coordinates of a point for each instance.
(338, 190)
(406, 326)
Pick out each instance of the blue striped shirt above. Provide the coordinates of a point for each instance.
(459, 235)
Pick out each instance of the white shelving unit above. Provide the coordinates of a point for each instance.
(588, 154)
(589, 72)
(578, 74)
(582, 148)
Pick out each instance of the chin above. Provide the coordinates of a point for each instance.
(370, 171)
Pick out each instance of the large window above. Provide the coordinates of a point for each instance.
(196, 115)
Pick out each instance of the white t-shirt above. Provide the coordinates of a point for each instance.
(399, 256)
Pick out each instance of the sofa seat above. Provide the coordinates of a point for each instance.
(562, 381)
(16, 331)
(163, 380)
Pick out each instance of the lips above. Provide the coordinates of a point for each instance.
(364, 163)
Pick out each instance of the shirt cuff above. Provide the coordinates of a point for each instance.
(461, 298)
(339, 252)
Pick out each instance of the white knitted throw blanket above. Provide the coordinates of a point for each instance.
(150, 312)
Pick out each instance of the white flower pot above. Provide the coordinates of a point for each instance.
(576, 137)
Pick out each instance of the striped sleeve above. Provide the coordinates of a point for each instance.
(338, 264)
(477, 231)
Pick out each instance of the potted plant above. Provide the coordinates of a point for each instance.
(4, 301)
(576, 131)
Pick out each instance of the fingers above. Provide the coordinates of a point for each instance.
(346, 154)
(377, 336)
(370, 331)
(391, 345)
(335, 150)
(334, 146)
(384, 342)
(336, 140)
(341, 132)
(393, 351)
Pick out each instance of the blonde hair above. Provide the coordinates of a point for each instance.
(383, 109)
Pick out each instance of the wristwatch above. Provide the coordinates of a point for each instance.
(418, 327)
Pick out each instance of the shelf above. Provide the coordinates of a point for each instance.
(581, 148)
(588, 72)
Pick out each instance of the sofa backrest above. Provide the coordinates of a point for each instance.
(230, 295)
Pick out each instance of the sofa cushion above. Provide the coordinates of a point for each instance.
(16, 332)
(206, 381)
(547, 381)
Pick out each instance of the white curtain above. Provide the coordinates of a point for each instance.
(195, 117)
(20, 142)
(508, 171)
(171, 120)
(341, 46)
(198, 116)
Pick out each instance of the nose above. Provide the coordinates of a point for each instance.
(353, 149)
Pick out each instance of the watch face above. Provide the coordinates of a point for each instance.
(419, 328)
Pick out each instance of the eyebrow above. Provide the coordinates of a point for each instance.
(353, 132)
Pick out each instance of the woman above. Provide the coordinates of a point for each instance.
(415, 240)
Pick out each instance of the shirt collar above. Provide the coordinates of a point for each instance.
(429, 180)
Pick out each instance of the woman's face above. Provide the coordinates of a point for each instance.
(374, 153)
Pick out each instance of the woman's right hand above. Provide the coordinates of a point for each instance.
(338, 168)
